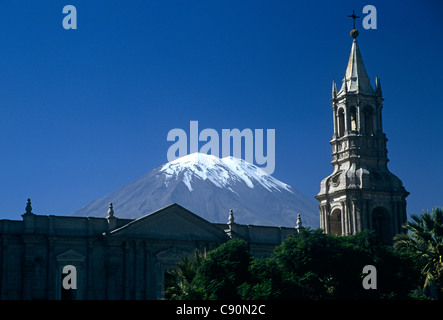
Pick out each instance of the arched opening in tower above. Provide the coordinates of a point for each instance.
(335, 222)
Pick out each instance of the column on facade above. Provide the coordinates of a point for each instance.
(375, 127)
(348, 217)
(4, 274)
(28, 267)
(128, 271)
(377, 118)
(89, 271)
(369, 211)
(334, 118)
(359, 213)
(112, 269)
(354, 216)
(347, 118)
(400, 214)
(393, 218)
(326, 213)
(360, 122)
(343, 219)
(51, 268)
(325, 218)
(399, 217)
(148, 272)
(322, 218)
(403, 211)
(140, 275)
(363, 215)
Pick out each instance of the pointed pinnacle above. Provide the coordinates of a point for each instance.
(334, 89)
(377, 86)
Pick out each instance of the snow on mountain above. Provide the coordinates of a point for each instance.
(210, 187)
(221, 172)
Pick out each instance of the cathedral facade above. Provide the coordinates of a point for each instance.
(113, 258)
(361, 193)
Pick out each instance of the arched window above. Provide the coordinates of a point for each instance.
(335, 222)
(341, 123)
(353, 114)
(369, 120)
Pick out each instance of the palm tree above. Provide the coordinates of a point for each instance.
(425, 238)
(178, 282)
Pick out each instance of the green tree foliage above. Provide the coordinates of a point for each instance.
(313, 265)
(224, 270)
(425, 240)
(307, 265)
(179, 282)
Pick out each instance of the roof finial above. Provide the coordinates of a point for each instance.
(112, 221)
(110, 211)
(28, 207)
(298, 226)
(231, 217)
(354, 32)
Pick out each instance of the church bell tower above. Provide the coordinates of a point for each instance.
(361, 193)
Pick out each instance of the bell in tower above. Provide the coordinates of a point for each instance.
(361, 193)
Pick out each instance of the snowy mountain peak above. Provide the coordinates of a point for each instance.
(222, 172)
(210, 187)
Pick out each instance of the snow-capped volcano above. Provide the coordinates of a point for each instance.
(210, 187)
(221, 172)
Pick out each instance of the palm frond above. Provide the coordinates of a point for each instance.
(425, 238)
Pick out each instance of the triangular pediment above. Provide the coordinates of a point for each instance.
(70, 255)
(171, 223)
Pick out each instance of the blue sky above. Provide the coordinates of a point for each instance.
(83, 112)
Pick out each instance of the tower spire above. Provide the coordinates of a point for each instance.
(356, 78)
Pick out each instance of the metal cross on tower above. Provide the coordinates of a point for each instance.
(353, 16)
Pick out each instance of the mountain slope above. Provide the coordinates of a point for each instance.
(210, 187)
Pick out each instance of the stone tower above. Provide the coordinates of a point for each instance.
(361, 193)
